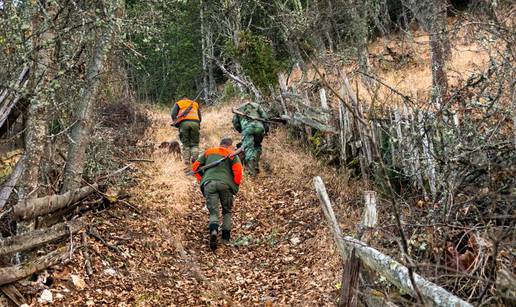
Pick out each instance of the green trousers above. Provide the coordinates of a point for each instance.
(253, 134)
(218, 194)
(189, 135)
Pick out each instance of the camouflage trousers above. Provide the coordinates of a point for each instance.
(189, 135)
(252, 141)
(218, 194)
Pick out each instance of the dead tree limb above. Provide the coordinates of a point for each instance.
(31, 208)
(92, 232)
(86, 254)
(8, 186)
(245, 83)
(17, 272)
(384, 265)
(39, 237)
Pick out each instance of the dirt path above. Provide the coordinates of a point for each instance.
(281, 253)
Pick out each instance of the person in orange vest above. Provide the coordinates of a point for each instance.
(219, 183)
(186, 116)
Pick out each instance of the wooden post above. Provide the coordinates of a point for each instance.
(352, 267)
(283, 89)
(344, 131)
(324, 100)
(399, 137)
(428, 155)
(416, 158)
(369, 218)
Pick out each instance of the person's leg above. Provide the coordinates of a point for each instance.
(184, 136)
(213, 204)
(258, 138)
(226, 199)
(249, 151)
(194, 140)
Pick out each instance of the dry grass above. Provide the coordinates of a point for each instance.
(414, 78)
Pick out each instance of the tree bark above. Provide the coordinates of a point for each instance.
(31, 208)
(80, 132)
(205, 84)
(17, 272)
(36, 125)
(39, 237)
(432, 17)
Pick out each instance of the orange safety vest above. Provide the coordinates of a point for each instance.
(192, 115)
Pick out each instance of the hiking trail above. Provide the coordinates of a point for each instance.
(282, 252)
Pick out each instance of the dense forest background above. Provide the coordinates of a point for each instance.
(413, 100)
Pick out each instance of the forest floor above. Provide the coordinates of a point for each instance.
(281, 254)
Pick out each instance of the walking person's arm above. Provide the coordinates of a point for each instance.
(236, 167)
(173, 112)
(197, 164)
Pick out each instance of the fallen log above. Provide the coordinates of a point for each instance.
(31, 208)
(384, 265)
(17, 272)
(39, 237)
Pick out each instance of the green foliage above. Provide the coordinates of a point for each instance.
(230, 91)
(257, 57)
(166, 37)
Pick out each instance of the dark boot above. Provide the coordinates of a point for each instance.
(226, 235)
(213, 236)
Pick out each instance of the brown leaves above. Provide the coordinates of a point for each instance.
(461, 261)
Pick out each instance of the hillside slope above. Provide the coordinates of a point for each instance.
(281, 253)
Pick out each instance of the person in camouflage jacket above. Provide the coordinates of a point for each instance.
(253, 128)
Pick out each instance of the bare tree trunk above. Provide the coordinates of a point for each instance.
(432, 17)
(439, 77)
(211, 54)
(80, 132)
(443, 26)
(205, 84)
(36, 125)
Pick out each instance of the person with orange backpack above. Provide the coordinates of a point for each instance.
(186, 116)
(219, 172)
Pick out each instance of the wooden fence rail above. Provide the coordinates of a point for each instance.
(378, 262)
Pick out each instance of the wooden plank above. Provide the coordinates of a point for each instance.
(8, 186)
(14, 244)
(427, 152)
(13, 294)
(17, 272)
(384, 265)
